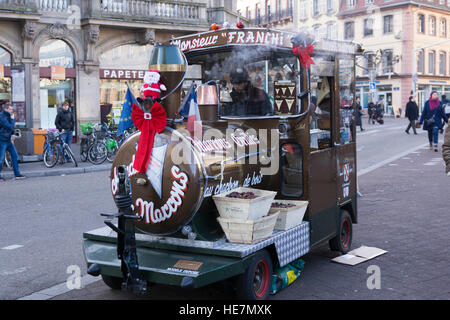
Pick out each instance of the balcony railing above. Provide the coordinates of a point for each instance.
(154, 9)
(54, 5)
(273, 17)
(18, 5)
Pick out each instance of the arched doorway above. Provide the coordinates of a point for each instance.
(125, 64)
(5, 76)
(57, 80)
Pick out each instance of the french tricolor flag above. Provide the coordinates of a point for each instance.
(194, 123)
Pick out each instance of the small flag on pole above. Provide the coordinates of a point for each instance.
(126, 121)
(194, 123)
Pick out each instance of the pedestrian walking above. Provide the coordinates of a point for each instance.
(412, 113)
(431, 118)
(358, 113)
(446, 105)
(7, 123)
(65, 123)
(370, 110)
(379, 111)
(446, 150)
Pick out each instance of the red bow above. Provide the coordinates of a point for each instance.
(148, 124)
(303, 54)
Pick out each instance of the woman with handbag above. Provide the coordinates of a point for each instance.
(431, 118)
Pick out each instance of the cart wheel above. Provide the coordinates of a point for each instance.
(112, 282)
(343, 240)
(254, 283)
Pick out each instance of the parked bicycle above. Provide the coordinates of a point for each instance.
(56, 150)
(87, 139)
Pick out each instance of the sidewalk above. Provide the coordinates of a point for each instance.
(38, 169)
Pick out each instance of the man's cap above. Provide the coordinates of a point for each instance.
(238, 75)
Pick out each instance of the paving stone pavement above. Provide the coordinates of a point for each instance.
(38, 169)
(404, 209)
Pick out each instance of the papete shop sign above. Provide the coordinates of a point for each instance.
(121, 74)
(233, 36)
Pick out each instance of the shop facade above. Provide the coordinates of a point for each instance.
(44, 63)
(388, 91)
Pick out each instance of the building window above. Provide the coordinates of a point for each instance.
(330, 6)
(268, 17)
(369, 63)
(388, 24)
(388, 66)
(317, 32)
(431, 62)
(442, 63)
(56, 53)
(5, 76)
(332, 31)
(443, 28)
(422, 23)
(433, 26)
(54, 91)
(315, 8)
(349, 30)
(368, 27)
(351, 3)
(258, 15)
(420, 62)
(303, 10)
(369, 1)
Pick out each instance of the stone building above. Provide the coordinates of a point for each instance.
(276, 14)
(407, 48)
(84, 52)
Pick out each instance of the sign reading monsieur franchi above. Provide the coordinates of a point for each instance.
(234, 36)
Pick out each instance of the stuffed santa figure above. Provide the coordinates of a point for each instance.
(152, 88)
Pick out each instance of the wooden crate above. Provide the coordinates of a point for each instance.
(244, 209)
(248, 231)
(289, 217)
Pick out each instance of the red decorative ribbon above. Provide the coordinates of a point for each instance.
(148, 124)
(303, 54)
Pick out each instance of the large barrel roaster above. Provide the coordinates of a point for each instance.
(185, 172)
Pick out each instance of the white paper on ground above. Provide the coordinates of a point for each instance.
(359, 255)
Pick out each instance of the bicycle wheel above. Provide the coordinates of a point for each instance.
(84, 148)
(97, 153)
(8, 160)
(70, 154)
(51, 156)
(112, 154)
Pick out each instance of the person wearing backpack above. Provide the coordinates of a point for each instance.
(431, 118)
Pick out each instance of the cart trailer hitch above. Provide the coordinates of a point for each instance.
(126, 239)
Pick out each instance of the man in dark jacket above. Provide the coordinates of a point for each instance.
(412, 113)
(65, 123)
(247, 99)
(7, 122)
(358, 113)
